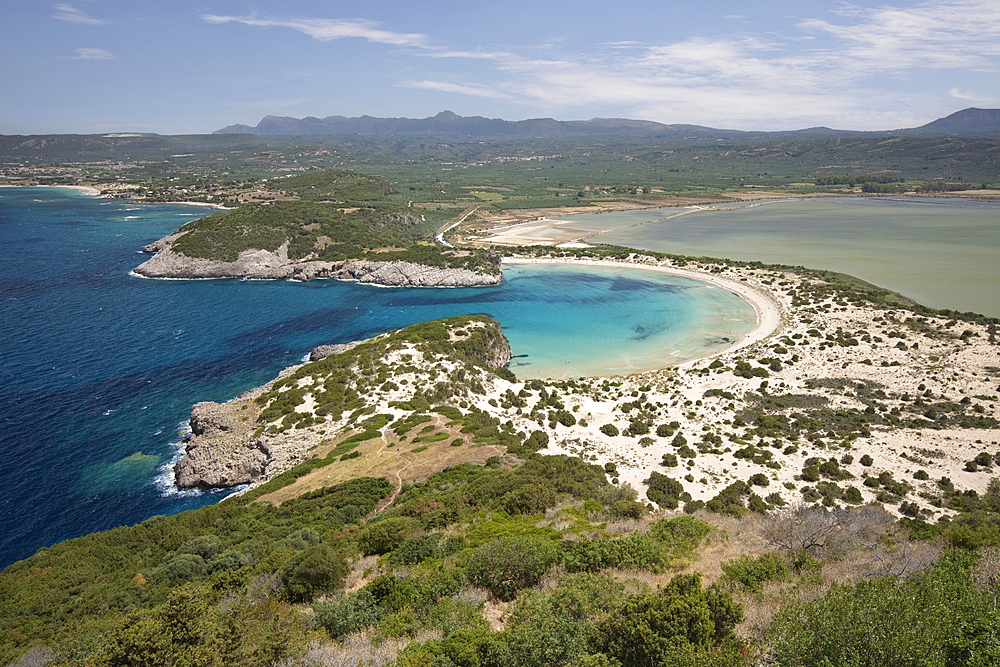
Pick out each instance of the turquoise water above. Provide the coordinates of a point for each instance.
(612, 321)
(941, 253)
(101, 368)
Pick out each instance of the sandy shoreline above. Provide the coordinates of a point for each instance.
(84, 189)
(936, 361)
(94, 192)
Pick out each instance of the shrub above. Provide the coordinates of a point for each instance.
(390, 592)
(507, 565)
(669, 460)
(753, 572)
(638, 427)
(416, 550)
(348, 614)
(384, 536)
(551, 627)
(729, 500)
(628, 509)
(853, 495)
(681, 534)
(316, 570)
(881, 622)
(679, 625)
(529, 499)
(609, 430)
(664, 491)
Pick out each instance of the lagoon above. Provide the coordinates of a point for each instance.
(943, 253)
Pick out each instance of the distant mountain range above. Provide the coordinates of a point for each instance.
(966, 123)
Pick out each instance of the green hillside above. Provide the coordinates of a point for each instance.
(338, 184)
(325, 232)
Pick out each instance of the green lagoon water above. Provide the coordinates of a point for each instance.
(941, 253)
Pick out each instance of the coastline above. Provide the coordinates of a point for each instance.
(83, 189)
(768, 310)
(816, 351)
(91, 191)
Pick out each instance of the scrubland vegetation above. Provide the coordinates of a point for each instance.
(550, 560)
(530, 559)
(538, 563)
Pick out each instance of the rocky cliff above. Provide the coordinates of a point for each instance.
(222, 450)
(267, 265)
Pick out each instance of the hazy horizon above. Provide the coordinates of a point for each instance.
(102, 66)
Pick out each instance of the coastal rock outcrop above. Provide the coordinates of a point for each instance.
(266, 265)
(222, 450)
(324, 351)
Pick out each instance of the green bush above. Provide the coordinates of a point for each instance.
(318, 569)
(638, 427)
(885, 622)
(384, 536)
(186, 631)
(609, 430)
(628, 509)
(348, 614)
(551, 627)
(507, 565)
(730, 500)
(390, 592)
(683, 624)
(664, 491)
(752, 572)
(416, 550)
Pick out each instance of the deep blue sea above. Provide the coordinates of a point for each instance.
(100, 368)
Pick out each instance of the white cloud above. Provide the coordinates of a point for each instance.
(74, 15)
(92, 54)
(326, 30)
(940, 34)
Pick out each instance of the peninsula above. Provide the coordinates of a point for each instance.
(335, 230)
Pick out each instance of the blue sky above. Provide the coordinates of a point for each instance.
(87, 66)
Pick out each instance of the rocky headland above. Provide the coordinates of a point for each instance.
(250, 440)
(258, 264)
